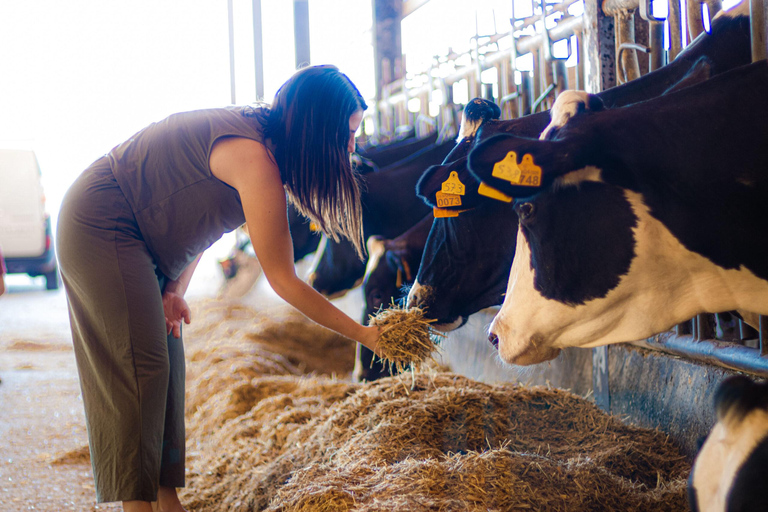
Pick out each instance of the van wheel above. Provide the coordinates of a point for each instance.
(52, 280)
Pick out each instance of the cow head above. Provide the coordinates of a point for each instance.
(466, 258)
(336, 269)
(587, 252)
(730, 468)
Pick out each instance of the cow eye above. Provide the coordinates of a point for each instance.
(525, 211)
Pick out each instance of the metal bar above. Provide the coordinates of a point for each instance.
(763, 335)
(675, 30)
(705, 329)
(695, 19)
(718, 353)
(258, 49)
(625, 38)
(563, 29)
(542, 97)
(655, 35)
(231, 25)
(758, 28)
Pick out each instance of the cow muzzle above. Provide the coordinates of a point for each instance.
(525, 353)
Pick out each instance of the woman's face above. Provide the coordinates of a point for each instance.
(354, 123)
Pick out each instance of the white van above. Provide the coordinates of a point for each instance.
(25, 227)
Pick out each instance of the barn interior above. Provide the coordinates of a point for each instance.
(274, 425)
(662, 382)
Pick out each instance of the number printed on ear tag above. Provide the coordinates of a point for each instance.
(531, 173)
(440, 213)
(507, 169)
(485, 190)
(453, 185)
(444, 200)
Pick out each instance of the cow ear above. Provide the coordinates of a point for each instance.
(461, 192)
(515, 166)
(429, 183)
(594, 103)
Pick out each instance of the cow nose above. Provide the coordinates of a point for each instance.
(494, 340)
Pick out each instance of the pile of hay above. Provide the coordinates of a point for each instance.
(406, 338)
(228, 345)
(448, 443)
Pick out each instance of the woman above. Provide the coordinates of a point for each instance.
(130, 233)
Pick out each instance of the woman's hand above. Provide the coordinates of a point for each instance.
(370, 338)
(176, 309)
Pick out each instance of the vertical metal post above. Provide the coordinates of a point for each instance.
(758, 28)
(625, 33)
(655, 35)
(301, 31)
(258, 50)
(763, 324)
(675, 29)
(695, 19)
(231, 24)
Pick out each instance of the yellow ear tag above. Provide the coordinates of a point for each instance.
(507, 168)
(444, 200)
(453, 185)
(491, 192)
(531, 173)
(313, 227)
(439, 213)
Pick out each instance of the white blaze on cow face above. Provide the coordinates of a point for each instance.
(727, 447)
(420, 296)
(666, 284)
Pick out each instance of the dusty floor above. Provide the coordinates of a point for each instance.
(41, 414)
(42, 418)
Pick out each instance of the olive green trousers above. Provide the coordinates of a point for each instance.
(131, 372)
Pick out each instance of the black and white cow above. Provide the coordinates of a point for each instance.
(636, 218)
(391, 269)
(390, 207)
(466, 260)
(731, 469)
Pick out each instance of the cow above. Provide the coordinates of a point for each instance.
(466, 260)
(731, 467)
(390, 207)
(636, 218)
(391, 268)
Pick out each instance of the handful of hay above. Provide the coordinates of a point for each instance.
(406, 336)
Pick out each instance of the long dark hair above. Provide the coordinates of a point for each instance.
(308, 123)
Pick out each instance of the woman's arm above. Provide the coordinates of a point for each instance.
(245, 165)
